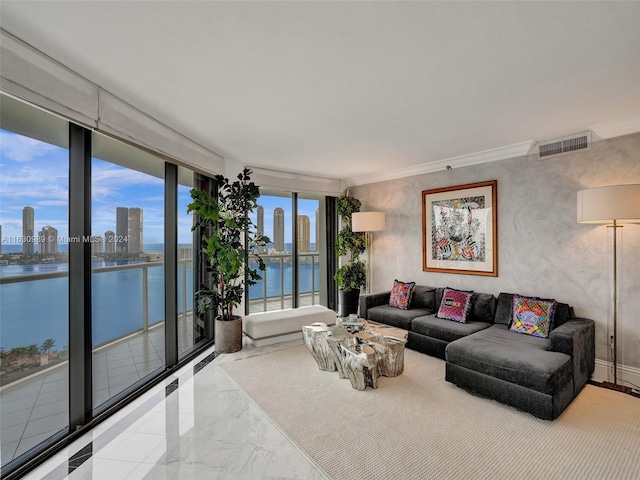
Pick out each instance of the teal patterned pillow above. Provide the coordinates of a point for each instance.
(532, 316)
(401, 294)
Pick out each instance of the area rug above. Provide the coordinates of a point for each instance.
(418, 426)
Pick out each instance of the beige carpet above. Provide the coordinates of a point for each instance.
(418, 426)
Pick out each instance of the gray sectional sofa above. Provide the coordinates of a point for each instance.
(538, 375)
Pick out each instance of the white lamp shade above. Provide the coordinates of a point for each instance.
(367, 221)
(606, 204)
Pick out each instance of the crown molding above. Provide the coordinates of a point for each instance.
(617, 128)
(486, 156)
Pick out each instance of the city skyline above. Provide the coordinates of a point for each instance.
(35, 173)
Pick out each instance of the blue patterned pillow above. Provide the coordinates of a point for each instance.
(401, 294)
(532, 316)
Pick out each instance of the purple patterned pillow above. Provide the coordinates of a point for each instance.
(533, 316)
(455, 305)
(401, 294)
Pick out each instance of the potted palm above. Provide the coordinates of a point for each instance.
(228, 237)
(353, 274)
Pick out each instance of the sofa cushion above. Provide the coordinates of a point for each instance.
(395, 316)
(532, 316)
(521, 359)
(455, 305)
(401, 294)
(483, 307)
(424, 297)
(504, 311)
(445, 330)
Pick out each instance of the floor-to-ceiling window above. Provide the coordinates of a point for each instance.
(127, 223)
(309, 231)
(294, 258)
(34, 277)
(274, 218)
(62, 365)
(188, 337)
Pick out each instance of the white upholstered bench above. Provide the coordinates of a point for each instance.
(282, 325)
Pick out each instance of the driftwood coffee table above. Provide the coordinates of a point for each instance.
(360, 352)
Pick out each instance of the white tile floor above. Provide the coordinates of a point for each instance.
(190, 427)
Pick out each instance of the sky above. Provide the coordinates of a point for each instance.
(36, 174)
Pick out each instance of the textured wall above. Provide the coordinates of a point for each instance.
(542, 250)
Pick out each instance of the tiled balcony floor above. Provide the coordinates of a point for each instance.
(35, 408)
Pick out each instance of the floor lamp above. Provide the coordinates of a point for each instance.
(611, 205)
(367, 222)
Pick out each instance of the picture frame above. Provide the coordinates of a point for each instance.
(460, 229)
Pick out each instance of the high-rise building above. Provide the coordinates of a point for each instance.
(28, 230)
(135, 230)
(260, 226)
(109, 242)
(278, 230)
(317, 249)
(48, 240)
(122, 229)
(0, 239)
(96, 245)
(304, 232)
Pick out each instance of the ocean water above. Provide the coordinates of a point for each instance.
(33, 311)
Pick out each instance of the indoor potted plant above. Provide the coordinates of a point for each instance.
(353, 274)
(228, 237)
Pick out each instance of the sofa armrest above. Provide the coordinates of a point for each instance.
(576, 338)
(372, 300)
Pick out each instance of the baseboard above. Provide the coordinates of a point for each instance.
(630, 375)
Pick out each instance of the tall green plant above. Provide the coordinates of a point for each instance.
(353, 274)
(228, 237)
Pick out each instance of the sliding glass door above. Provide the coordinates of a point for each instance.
(93, 305)
(295, 259)
(34, 278)
(127, 266)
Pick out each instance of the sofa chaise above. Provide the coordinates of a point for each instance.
(534, 374)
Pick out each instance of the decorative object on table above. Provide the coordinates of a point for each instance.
(353, 318)
(614, 204)
(360, 355)
(352, 275)
(367, 222)
(228, 237)
(460, 230)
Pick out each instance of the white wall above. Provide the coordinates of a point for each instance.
(542, 250)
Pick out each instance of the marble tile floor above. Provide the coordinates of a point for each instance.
(197, 424)
(34, 408)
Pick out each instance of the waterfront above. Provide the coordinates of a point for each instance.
(33, 311)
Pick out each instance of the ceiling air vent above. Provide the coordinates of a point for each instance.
(565, 145)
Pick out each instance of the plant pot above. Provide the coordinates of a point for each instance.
(348, 302)
(228, 333)
(209, 326)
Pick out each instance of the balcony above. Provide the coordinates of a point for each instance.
(35, 404)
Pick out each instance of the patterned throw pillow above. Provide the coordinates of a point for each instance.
(533, 316)
(401, 294)
(455, 305)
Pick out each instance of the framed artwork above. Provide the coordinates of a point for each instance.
(460, 230)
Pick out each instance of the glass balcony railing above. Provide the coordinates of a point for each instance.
(274, 291)
(134, 309)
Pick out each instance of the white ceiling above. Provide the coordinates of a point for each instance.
(352, 90)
